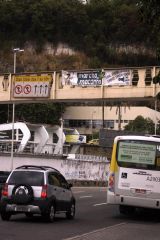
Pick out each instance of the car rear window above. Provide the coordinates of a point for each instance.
(32, 178)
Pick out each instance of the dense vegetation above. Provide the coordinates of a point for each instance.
(49, 113)
(108, 32)
(103, 33)
(142, 125)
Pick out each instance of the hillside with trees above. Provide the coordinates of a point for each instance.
(101, 33)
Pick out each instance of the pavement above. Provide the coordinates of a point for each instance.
(122, 231)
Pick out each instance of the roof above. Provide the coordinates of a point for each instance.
(35, 167)
(134, 137)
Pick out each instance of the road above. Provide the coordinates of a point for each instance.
(94, 220)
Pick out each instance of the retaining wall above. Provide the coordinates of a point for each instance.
(89, 170)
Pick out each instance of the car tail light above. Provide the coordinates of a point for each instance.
(44, 191)
(111, 181)
(5, 190)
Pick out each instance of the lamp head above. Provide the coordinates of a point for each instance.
(18, 50)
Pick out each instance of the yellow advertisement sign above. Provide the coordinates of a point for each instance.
(72, 138)
(32, 78)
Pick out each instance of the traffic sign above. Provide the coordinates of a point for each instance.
(18, 89)
(32, 85)
(27, 89)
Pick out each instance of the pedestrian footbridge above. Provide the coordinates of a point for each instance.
(112, 85)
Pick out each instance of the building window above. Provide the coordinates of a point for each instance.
(109, 124)
(88, 123)
(66, 123)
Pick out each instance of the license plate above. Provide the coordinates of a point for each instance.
(142, 191)
(21, 208)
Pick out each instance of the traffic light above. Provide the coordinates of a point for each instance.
(156, 79)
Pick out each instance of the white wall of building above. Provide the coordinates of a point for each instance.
(110, 113)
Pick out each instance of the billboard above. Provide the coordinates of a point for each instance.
(86, 78)
(117, 77)
(97, 78)
(89, 78)
(73, 136)
(32, 85)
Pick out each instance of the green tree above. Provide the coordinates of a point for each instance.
(141, 125)
(150, 14)
(48, 113)
(102, 29)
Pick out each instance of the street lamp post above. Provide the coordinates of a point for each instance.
(155, 125)
(61, 121)
(92, 123)
(15, 51)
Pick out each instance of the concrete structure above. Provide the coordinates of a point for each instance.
(86, 168)
(88, 119)
(35, 144)
(38, 87)
(37, 139)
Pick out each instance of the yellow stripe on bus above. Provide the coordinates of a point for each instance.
(114, 166)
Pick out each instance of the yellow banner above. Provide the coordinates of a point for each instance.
(32, 78)
(72, 138)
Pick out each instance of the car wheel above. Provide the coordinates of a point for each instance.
(50, 214)
(70, 214)
(5, 216)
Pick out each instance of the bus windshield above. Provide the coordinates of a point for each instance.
(138, 154)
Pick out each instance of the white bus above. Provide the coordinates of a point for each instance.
(134, 176)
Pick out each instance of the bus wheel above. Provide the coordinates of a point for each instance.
(126, 210)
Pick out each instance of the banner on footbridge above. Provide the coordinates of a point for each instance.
(97, 78)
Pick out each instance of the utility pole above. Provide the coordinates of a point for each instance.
(15, 51)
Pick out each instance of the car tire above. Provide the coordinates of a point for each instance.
(70, 214)
(50, 214)
(5, 216)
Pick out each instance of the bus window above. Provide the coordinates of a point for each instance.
(136, 154)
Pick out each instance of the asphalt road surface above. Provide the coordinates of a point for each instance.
(94, 220)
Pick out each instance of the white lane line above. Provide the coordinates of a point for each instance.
(78, 191)
(99, 204)
(95, 231)
(89, 196)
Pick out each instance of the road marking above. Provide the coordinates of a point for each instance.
(89, 196)
(99, 204)
(79, 191)
(95, 231)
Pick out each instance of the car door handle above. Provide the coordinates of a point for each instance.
(55, 189)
